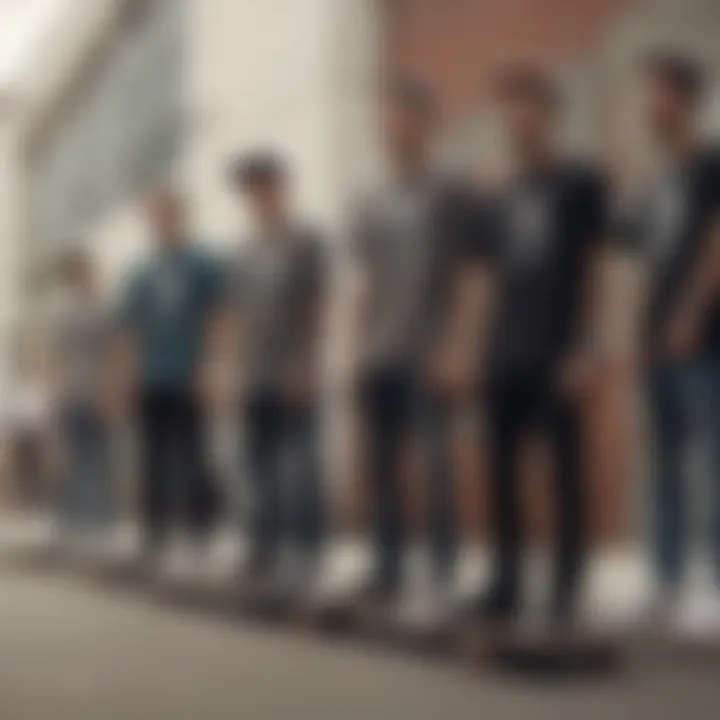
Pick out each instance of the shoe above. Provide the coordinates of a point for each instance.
(432, 608)
(258, 569)
(697, 617)
(662, 611)
(379, 591)
(151, 560)
(563, 614)
(495, 606)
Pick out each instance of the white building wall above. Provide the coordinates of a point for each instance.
(290, 75)
(273, 75)
(10, 174)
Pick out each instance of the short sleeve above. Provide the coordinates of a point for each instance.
(361, 239)
(711, 183)
(315, 264)
(626, 226)
(231, 282)
(213, 282)
(59, 331)
(594, 201)
(486, 230)
(465, 224)
(130, 308)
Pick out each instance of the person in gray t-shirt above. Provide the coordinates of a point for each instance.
(82, 337)
(274, 286)
(411, 243)
(274, 297)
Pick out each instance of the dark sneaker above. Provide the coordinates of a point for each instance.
(494, 606)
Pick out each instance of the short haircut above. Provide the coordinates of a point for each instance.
(73, 259)
(257, 168)
(166, 195)
(684, 75)
(526, 82)
(412, 94)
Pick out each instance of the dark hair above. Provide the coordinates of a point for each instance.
(684, 75)
(72, 260)
(412, 94)
(257, 168)
(526, 82)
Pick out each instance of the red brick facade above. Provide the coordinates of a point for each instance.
(458, 44)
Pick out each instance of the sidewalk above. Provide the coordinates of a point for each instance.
(618, 581)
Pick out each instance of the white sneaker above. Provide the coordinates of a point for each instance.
(429, 608)
(297, 575)
(699, 617)
(660, 613)
(180, 561)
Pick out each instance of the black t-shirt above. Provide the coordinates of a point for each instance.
(546, 224)
(670, 226)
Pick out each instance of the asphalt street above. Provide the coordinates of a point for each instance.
(74, 651)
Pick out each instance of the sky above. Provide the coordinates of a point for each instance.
(22, 26)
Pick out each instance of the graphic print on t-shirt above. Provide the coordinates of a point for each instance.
(275, 285)
(170, 291)
(550, 224)
(530, 231)
(668, 219)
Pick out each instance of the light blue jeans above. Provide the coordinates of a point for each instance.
(86, 498)
(684, 414)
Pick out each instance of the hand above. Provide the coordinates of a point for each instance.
(682, 338)
(451, 375)
(577, 375)
(114, 405)
(300, 389)
(215, 389)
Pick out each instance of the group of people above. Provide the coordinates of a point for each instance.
(456, 295)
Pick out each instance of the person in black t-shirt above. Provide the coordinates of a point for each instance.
(676, 228)
(549, 222)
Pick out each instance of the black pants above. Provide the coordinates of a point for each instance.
(517, 405)
(282, 455)
(176, 486)
(393, 411)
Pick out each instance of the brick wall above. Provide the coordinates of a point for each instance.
(457, 44)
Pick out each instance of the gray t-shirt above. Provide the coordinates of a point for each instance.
(276, 286)
(410, 240)
(82, 338)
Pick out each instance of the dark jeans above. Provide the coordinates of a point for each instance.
(684, 404)
(87, 493)
(393, 411)
(176, 484)
(517, 405)
(283, 459)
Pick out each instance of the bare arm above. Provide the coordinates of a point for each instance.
(219, 379)
(355, 304)
(700, 292)
(463, 347)
(622, 299)
(121, 371)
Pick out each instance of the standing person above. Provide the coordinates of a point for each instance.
(412, 348)
(274, 308)
(29, 429)
(550, 220)
(677, 227)
(81, 369)
(165, 313)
